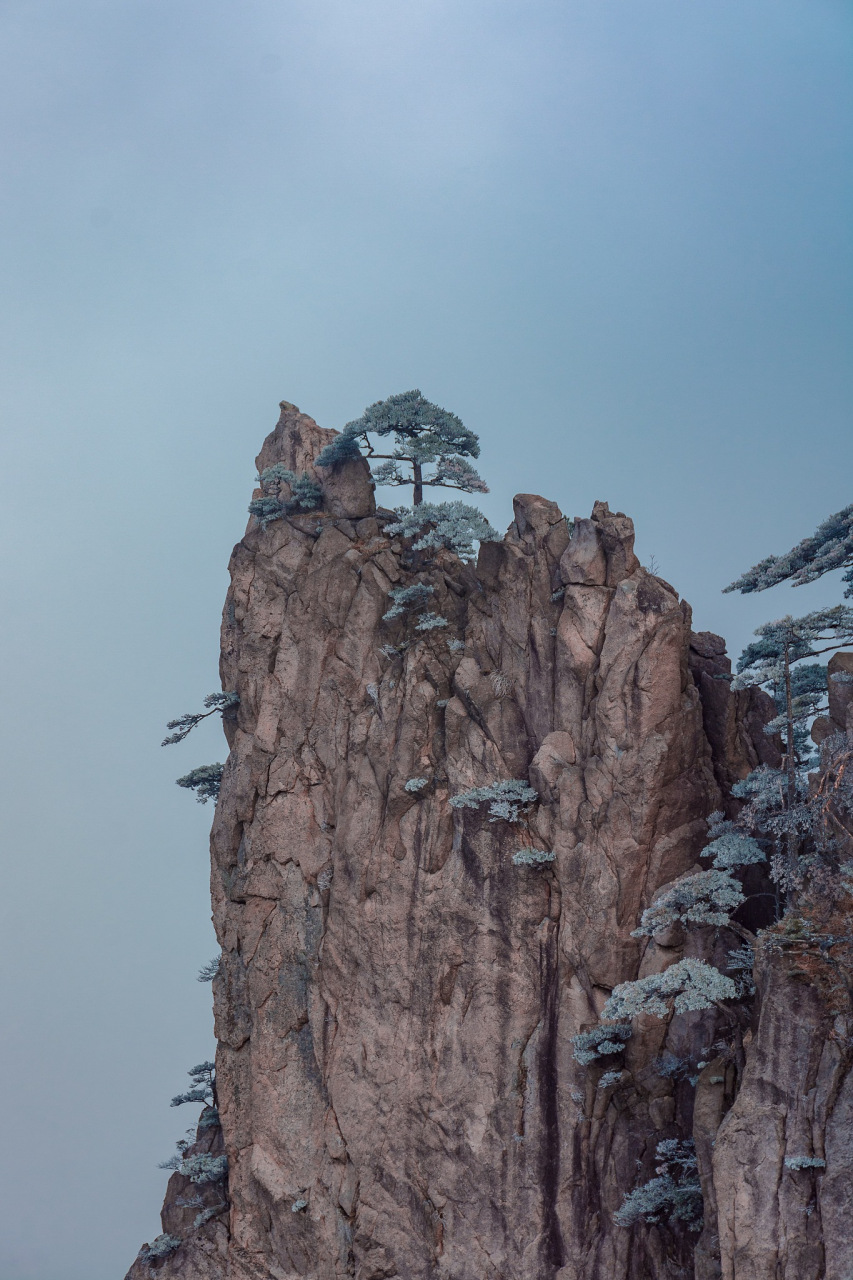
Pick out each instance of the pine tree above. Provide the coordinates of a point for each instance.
(284, 492)
(424, 434)
(214, 702)
(781, 806)
(829, 547)
(454, 525)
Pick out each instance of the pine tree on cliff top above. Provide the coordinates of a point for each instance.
(424, 435)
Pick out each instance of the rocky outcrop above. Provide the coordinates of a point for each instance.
(397, 997)
(196, 1214)
(783, 1155)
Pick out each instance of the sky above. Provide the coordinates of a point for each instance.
(613, 236)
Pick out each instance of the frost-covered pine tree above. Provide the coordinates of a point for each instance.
(283, 492)
(829, 547)
(424, 435)
(203, 1077)
(780, 805)
(704, 898)
(786, 806)
(215, 704)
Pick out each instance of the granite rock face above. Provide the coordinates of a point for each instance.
(397, 998)
(783, 1156)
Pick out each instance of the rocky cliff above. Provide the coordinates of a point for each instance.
(397, 997)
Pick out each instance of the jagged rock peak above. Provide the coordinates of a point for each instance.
(397, 996)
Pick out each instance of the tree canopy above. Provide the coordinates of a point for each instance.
(424, 434)
(829, 547)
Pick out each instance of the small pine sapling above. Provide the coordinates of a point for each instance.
(204, 1169)
(675, 1195)
(203, 1089)
(209, 971)
(161, 1247)
(532, 858)
(609, 1079)
(205, 781)
(506, 800)
(216, 703)
(407, 598)
(303, 494)
(600, 1042)
(431, 622)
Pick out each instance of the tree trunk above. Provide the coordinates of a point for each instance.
(790, 766)
(418, 495)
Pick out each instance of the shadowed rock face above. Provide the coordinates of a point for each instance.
(397, 998)
(778, 1219)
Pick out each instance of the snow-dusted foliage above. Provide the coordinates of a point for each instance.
(406, 598)
(729, 847)
(203, 1168)
(799, 691)
(687, 984)
(416, 784)
(600, 1042)
(675, 1195)
(741, 964)
(454, 525)
(304, 494)
(781, 808)
(431, 622)
(532, 858)
(203, 1079)
(424, 434)
(209, 971)
(609, 1078)
(213, 703)
(159, 1248)
(708, 897)
(805, 1162)
(829, 547)
(205, 781)
(762, 661)
(506, 800)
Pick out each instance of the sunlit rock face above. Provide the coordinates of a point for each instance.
(397, 998)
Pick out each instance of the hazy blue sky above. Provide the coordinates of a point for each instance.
(613, 235)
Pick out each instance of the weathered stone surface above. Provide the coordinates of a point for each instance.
(840, 695)
(296, 442)
(734, 719)
(397, 999)
(776, 1222)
